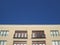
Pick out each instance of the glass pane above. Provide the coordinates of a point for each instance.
(40, 44)
(53, 43)
(57, 33)
(59, 42)
(25, 34)
(14, 44)
(36, 44)
(51, 33)
(56, 42)
(7, 33)
(24, 44)
(1, 33)
(54, 33)
(4, 33)
(2, 43)
(18, 44)
(5, 43)
(16, 34)
(43, 44)
(22, 34)
(33, 44)
(21, 44)
(33, 34)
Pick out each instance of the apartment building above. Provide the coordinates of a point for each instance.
(29, 34)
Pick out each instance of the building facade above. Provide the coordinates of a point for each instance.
(29, 34)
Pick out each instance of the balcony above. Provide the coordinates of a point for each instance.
(38, 34)
(38, 42)
(20, 35)
(19, 43)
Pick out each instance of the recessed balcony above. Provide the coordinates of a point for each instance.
(20, 35)
(38, 34)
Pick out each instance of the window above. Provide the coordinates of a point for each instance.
(4, 32)
(19, 43)
(2, 42)
(20, 34)
(38, 34)
(56, 42)
(38, 43)
(54, 33)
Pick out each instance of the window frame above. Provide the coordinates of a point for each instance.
(4, 32)
(3, 41)
(54, 33)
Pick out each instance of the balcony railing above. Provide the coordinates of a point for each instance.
(20, 35)
(38, 34)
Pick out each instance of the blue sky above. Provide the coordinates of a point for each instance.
(29, 11)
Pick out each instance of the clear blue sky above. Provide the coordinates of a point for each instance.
(29, 11)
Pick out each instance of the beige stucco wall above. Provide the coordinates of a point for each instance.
(29, 29)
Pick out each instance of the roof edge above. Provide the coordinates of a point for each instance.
(29, 24)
